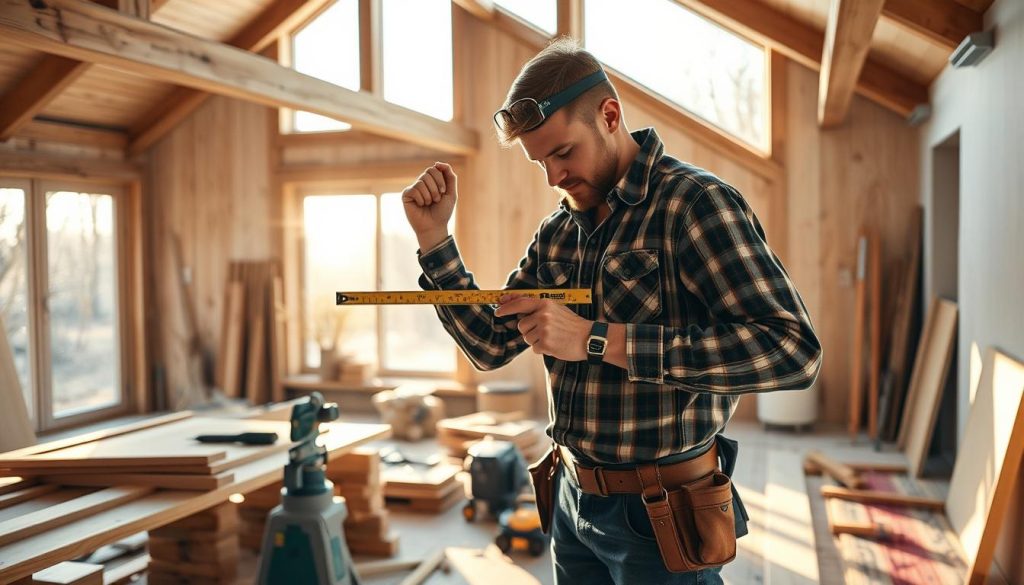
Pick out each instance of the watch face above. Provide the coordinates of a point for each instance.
(595, 345)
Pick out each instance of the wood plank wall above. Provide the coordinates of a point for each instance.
(208, 183)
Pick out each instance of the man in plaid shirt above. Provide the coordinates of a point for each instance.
(694, 306)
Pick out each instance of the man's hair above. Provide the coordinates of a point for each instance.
(562, 63)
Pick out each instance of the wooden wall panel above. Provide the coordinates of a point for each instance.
(209, 183)
(107, 97)
(863, 172)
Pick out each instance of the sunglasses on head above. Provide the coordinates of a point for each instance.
(525, 114)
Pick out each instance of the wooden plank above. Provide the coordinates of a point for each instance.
(171, 481)
(943, 22)
(805, 45)
(988, 461)
(857, 362)
(81, 439)
(231, 340)
(67, 512)
(282, 15)
(15, 427)
(31, 94)
(570, 18)
(877, 497)
(851, 24)
(83, 536)
(12, 498)
(482, 9)
(278, 339)
(81, 30)
(875, 329)
(931, 366)
(255, 363)
(70, 573)
(67, 133)
(903, 319)
(39, 166)
(840, 472)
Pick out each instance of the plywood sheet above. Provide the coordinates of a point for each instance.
(928, 380)
(988, 460)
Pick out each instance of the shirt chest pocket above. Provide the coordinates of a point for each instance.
(631, 286)
(555, 274)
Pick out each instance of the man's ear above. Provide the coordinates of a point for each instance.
(611, 114)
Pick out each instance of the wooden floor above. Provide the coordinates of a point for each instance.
(784, 545)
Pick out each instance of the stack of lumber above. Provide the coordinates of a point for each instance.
(251, 360)
(421, 488)
(162, 456)
(198, 549)
(253, 513)
(458, 434)
(357, 479)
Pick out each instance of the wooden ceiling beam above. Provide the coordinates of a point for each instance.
(777, 30)
(81, 30)
(482, 9)
(43, 83)
(944, 22)
(263, 30)
(851, 24)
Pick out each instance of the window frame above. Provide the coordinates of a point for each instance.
(40, 376)
(376, 188)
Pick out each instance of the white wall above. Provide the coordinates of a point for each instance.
(985, 104)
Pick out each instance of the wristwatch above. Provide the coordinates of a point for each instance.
(597, 343)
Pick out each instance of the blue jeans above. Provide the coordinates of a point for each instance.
(597, 539)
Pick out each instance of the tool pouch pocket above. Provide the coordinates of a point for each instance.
(542, 474)
(694, 524)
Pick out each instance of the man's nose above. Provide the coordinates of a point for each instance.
(555, 175)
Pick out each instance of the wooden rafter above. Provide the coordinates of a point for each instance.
(36, 90)
(570, 18)
(482, 9)
(257, 35)
(851, 23)
(80, 30)
(943, 22)
(804, 45)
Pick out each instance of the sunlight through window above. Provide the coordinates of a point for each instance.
(328, 49)
(542, 14)
(700, 66)
(418, 55)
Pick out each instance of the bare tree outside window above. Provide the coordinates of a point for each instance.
(14, 284)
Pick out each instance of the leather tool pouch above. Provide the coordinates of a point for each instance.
(543, 475)
(694, 523)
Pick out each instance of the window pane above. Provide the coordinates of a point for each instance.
(542, 14)
(82, 272)
(712, 73)
(328, 48)
(418, 55)
(341, 251)
(414, 339)
(14, 285)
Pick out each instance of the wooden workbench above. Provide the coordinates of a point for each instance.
(27, 556)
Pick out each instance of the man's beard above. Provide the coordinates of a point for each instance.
(594, 191)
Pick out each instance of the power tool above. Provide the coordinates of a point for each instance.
(303, 543)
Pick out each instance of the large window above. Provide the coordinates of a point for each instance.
(59, 298)
(328, 48)
(362, 241)
(689, 60)
(542, 14)
(417, 37)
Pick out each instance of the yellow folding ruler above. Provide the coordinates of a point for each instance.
(564, 296)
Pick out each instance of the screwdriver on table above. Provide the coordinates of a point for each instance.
(244, 438)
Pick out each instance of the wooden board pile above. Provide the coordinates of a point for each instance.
(357, 478)
(252, 514)
(198, 550)
(252, 351)
(164, 456)
(421, 488)
(458, 434)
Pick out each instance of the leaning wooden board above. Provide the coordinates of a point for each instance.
(171, 447)
(989, 462)
(26, 556)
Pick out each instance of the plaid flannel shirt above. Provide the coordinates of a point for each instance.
(710, 312)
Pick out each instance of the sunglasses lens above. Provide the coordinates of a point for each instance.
(521, 116)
